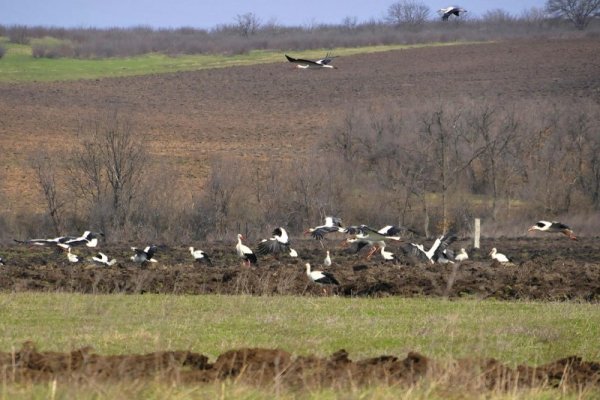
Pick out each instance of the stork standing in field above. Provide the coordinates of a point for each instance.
(144, 256)
(293, 253)
(327, 260)
(244, 252)
(462, 255)
(305, 64)
(74, 258)
(499, 256)
(321, 277)
(452, 10)
(200, 256)
(277, 244)
(102, 259)
(553, 227)
(387, 255)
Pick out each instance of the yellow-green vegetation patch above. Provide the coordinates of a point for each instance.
(513, 332)
(18, 64)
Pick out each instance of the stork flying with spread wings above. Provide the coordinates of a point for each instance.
(304, 64)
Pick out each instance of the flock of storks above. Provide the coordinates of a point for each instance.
(357, 236)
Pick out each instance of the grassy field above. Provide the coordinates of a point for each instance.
(18, 65)
(513, 332)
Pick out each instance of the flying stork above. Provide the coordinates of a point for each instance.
(367, 235)
(553, 227)
(90, 239)
(278, 243)
(244, 252)
(143, 256)
(452, 10)
(102, 259)
(332, 224)
(438, 251)
(43, 242)
(304, 64)
(200, 256)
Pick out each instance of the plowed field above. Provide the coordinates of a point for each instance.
(542, 269)
(274, 110)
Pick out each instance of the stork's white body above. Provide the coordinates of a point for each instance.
(327, 260)
(498, 256)
(244, 252)
(102, 259)
(462, 255)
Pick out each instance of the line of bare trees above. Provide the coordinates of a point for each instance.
(433, 168)
(406, 22)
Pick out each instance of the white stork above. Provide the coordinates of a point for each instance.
(102, 259)
(90, 239)
(387, 255)
(452, 10)
(1, 261)
(143, 256)
(321, 277)
(293, 253)
(372, 237)
(437, 252)
(200, 256)
(462, 255)
(327, 260)
(332, 224)
(499, 256)
(553, 227)
(74, 258)
(244, 252)
(305, 64)
(44, 242)
(278, 243)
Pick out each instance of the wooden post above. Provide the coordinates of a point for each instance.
(476, 233)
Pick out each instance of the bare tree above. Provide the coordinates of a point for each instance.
(45, 172)
(498, 16)
(407, 12)
(108, 168)
(247, 24)
(579, 12)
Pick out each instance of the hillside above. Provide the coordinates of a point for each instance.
(274, 110)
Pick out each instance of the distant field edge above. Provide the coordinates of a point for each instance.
(18, 65)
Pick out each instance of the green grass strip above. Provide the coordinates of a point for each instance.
(18, 65)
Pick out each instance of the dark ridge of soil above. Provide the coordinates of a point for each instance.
(543, 269)
(263, 367)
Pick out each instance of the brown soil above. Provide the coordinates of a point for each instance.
(553, 268)
(277, 367)
(274, 110)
